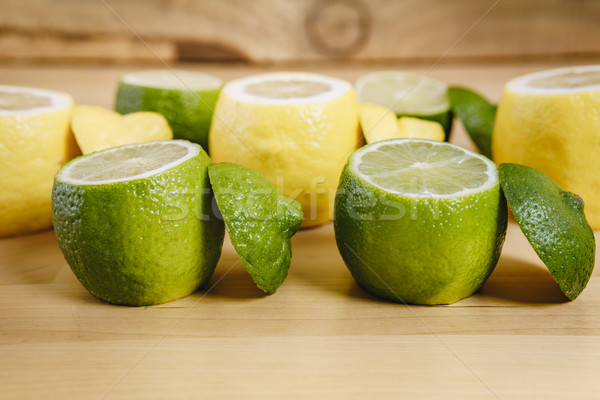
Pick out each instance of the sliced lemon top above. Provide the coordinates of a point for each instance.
(129, 162)
(25, 100)
(172, 79)
(559, 80)
(286, 88)
(404, 92)
(423, 168)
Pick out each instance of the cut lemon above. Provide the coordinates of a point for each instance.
(550, 120)
(35, 140)
(377, 122)
(409, 127)
(297, 129)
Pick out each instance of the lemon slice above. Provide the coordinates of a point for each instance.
(549, 120)
(35, 140)
(297, 129)
(409, 127)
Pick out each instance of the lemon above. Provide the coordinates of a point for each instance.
(420, 221)
(96, 128)
(550, 120)
(377, 122)
(297, 129)
(186, 99)
(135, 222)
(35, 140)
(407, 94)
(259, 221)
(409, 127)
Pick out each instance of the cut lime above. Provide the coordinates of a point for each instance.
(477, 116)
(135, 223)
(259, 221)
(420, 221)
(186, 99)
(554, 223)
(407, 94)
(96, 128)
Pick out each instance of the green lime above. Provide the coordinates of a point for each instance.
(477, 115)
(185, 98)
(259, 221)
(135, 222)
(554, 223)
(408, 95)
(420, 221)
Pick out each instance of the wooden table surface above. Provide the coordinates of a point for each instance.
(319, 336)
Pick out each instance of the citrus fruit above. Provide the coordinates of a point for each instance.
(96, 128)
(477, 116)
(377, 122)
(420, 221)
(297, 129)
(35, 140)
(135, 222)
(186, 99)
(550, 121)
(259, 221)
(407, 94)
(554, 223)
(416, 128)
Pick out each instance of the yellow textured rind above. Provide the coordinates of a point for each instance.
(558, 134)
(300, 148)
(33, 146)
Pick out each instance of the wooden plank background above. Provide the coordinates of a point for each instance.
(288, 31)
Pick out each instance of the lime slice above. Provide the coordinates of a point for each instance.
(407, 94)
(554, 223)
(259, 221)
(35, 140)
(296, 129)
(135, 222)
(96, 128)
(186, 99)
(420, 221)
(416, 128)
(549, 120)
(477, 116)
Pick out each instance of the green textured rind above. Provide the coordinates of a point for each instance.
(443, 118)
(477, 115)
(189, 112)
(424, 252)
(554, 223)
(141, 242)
(259, 221)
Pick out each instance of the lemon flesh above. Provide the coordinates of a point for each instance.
(297, 129)
(416, 128)
(550, 121)
(377, 122)
(135, 223)
(420, 221)
(35, 140)
(185, 98)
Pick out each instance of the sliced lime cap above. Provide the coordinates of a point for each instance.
(554, 223)
(259, 221)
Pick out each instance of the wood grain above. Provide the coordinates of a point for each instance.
(319, 336)
(284, 31)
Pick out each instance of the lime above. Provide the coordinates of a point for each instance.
(407, 94)
(135, 222)
(186, 99)
(420, 221)
(554, 223)
(296, 129)
(416, 128)
(96, 128)
(35, 140)
(259, 221)
(549, 121)
(477, 116)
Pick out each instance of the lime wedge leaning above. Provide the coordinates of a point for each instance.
(554, 223)
(259, 221)
(185, 98)
(135, 222)
(407, 94)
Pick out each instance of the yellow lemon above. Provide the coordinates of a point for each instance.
(35, 140)
(377, 122)
(416, 128)
(550, 120)
(297, 129)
